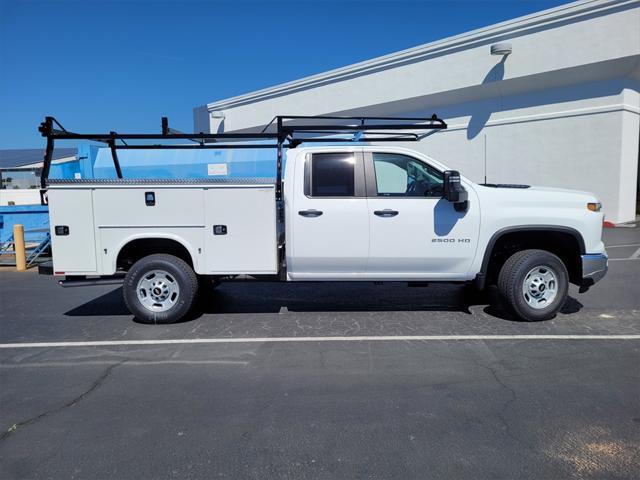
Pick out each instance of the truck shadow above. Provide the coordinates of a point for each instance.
(257, 298)
(496, 309)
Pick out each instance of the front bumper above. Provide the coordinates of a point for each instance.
(594, 268)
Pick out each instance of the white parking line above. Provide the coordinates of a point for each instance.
(622, 246)
(374, 338)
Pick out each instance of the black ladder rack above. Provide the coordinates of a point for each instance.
(284, 131)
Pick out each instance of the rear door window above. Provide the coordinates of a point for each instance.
(333, 175)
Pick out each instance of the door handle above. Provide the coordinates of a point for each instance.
(386, 213)
(310, 213)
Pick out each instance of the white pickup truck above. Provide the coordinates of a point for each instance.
(348, 213)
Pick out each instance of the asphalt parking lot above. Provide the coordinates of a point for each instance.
(322, 381)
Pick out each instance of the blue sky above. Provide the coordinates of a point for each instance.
(121, 65)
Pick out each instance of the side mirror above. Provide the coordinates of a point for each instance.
(454, 192)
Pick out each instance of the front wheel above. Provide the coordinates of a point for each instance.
(534, 284)
(160, 288)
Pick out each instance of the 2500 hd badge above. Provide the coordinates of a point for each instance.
(450, 240)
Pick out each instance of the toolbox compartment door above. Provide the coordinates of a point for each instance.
(72, 230)
(240, 231)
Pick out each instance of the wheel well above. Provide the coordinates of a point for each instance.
(564, 244)
(139, 248)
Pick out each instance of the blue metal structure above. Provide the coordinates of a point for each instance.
(32, 217)
(178, 163)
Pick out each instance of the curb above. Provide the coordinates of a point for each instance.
(607, 224)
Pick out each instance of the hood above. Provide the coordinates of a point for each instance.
(561, 190)
(527, 193)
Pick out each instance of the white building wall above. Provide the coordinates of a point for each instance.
(588, 144)
(561, 110)
(19, 196)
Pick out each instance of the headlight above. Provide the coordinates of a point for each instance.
(595, 206)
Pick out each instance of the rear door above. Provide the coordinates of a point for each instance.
(330, 234)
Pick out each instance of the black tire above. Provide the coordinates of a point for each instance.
(511, 285)
(177, 270)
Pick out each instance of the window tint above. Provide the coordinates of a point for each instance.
(332, 175)
(402, 176)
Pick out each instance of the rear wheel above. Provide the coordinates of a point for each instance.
(534, 284)
(160, 288)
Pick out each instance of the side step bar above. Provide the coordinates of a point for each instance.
(81, 281)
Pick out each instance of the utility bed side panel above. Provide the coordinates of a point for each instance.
(128, 206)
(113, 239)
(248, 216)
(105, 216)
(125, 213)
(74, 252)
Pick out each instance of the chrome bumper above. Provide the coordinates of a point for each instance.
(594, 267)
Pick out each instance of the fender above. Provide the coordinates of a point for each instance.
(482, 275)
(151, 236)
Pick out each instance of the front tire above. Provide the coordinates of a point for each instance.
(534, 284)
(160, 289)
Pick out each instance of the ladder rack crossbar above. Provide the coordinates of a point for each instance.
(290, 131)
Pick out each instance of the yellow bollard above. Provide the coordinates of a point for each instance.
(21, 256)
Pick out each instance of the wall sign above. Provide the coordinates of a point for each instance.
(216, 169)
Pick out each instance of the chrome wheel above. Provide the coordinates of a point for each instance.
(540, 287)
(158, 291)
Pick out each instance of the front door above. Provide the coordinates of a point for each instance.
(415, 233)
(330, 224)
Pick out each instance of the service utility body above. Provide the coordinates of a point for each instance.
(351, 211)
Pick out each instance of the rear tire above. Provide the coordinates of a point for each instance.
(160, 289)
(534, 284)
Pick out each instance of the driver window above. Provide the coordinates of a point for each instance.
(403, 176)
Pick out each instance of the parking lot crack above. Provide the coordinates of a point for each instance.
(92, 388)
(513, 398)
